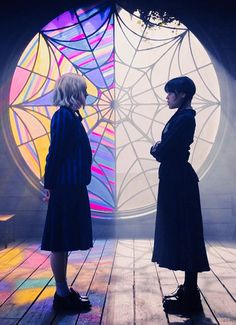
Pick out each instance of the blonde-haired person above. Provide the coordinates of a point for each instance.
(68, 224)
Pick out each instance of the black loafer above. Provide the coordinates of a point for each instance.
(77, 295)
(183, 303)
(70, 303)
(177, 293)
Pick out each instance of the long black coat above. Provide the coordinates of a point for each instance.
(179, 242)
(68, 224)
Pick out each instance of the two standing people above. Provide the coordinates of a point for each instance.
(179, 242)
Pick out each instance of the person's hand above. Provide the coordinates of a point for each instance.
(154, 147)
(46, 195)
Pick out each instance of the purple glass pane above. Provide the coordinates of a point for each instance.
(66, 19)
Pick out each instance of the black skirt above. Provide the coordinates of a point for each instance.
(179, 241)
(68, 225)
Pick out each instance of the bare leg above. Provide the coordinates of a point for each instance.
(65, 298)
(59, 266)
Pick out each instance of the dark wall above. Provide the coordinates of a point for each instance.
(213, 22)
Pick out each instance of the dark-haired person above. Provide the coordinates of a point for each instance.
(179, 242)
(67, 173)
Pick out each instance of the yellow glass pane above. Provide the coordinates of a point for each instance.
(42, 145)
(42, 60)
(13, 127)
(28, 57)
(28, 153)
(33, 121)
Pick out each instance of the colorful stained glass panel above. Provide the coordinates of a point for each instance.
(126, 65)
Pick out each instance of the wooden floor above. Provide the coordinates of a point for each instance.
(124, 286)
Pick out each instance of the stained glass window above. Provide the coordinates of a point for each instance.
(126, 65)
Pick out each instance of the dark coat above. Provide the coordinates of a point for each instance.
(179, 242)
(68, 223)
(69, 158)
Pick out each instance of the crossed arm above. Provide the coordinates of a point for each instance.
(178, 131)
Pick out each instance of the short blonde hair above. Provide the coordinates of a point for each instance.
(70, 91)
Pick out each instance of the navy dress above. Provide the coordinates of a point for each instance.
(68, 223)
(178, 242)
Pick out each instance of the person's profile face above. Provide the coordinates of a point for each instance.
(175, 100)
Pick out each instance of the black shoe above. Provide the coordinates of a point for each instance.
(177, 293)
(70, 303)
(183, 303)
(77, 295)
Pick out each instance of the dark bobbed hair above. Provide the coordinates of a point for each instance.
(181, 84)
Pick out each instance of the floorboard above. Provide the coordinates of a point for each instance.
(124, 286)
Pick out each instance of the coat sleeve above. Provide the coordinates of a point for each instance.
(179, 130)
(61, 125)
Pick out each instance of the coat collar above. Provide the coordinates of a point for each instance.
(75, 113)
